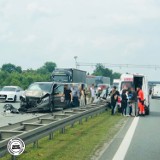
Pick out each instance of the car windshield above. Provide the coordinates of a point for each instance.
(10, 89)
(47, 87)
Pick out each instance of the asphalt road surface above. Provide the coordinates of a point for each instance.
(138, 140)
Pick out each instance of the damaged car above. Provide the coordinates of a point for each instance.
(43, 97)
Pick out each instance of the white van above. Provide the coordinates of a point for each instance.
(156, 91)
(129, 80)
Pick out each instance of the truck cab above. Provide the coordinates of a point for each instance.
(68, 75)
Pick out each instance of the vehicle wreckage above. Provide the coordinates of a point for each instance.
(43, 97)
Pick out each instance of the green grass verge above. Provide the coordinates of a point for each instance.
(78, 143)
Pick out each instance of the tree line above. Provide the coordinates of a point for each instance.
(11, 74)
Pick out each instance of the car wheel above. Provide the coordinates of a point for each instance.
(15, 98)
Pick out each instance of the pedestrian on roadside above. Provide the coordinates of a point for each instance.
(68, 95)
(124, 102)
(140, 101)
(88, 95)
(82, 95)
(133, 101)
(92, 93)
(114, 98)
(75, 95)
(129, 96)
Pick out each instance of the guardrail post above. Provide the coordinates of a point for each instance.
(62, 130)
(80, 121)
(51, 136)
(35, 144)
(72, 125)
(86, 119)
(13, 157)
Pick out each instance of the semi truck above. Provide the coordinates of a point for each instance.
(96, 80)
(68, 75)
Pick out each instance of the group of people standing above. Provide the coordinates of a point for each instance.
(78, 95)
(130, 102)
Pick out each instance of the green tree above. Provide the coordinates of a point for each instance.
(102, 71)
(116, 75)
(48, 67)
(11, 68)
(13, 75)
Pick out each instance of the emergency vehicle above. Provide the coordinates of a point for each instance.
(156, 91)
(129, 80)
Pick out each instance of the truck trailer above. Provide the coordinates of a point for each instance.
(96, 80)
(68, 75)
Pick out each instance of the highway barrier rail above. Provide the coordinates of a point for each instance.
(30, 131)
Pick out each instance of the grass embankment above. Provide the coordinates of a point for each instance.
(78, 143)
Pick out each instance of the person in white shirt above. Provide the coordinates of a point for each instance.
(92, 93)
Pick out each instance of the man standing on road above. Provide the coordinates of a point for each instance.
(92, 93)
(114, 98)
(133, 102)
(68, 95)
(75, 95)
(140, 101)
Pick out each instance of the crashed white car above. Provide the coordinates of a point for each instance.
(11, 93)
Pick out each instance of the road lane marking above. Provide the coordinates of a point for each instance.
(123, 148)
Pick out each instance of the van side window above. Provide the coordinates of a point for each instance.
(59, 90)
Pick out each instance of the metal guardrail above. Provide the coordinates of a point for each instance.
(30, 131)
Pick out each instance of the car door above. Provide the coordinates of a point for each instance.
(58, 96)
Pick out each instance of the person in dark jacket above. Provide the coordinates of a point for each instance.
(133, 102)
(114, 98)
(124, 102)
(68, 95)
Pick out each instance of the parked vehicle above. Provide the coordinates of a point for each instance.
(68, 75)
(133, 80)
(11, 93)
(156, 91)
(44, 97)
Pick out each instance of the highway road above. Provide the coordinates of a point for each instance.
(138, 140)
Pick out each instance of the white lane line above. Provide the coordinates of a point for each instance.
(123, 148)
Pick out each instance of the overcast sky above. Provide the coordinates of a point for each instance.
(33, 32)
